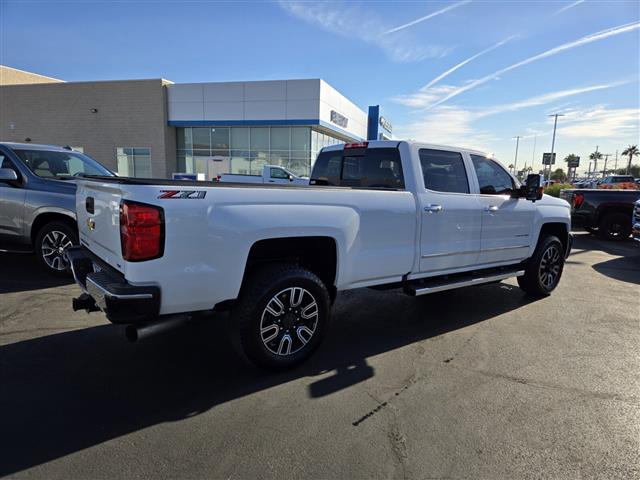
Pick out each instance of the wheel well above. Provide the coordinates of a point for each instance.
(44, 218)
(558, 229)
(318, 254)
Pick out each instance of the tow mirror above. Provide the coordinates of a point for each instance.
(8, 175)
(532, 190)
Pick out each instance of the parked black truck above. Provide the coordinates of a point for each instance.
(603, 212)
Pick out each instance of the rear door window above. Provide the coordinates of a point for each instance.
(359, 168)
(443, 171)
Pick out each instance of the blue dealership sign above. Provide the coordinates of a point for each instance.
(378, 126)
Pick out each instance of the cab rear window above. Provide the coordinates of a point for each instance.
(359, 168)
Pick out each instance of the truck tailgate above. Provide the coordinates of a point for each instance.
(98, 213)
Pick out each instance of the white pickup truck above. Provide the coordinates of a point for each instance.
(270, 174)
(395, 214)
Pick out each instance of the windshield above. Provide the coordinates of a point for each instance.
(56, 164)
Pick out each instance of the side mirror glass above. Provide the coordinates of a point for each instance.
(532, 189)
(8, 175)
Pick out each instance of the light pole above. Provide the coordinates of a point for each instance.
(553, 139)
(604, 171)
(515, 160)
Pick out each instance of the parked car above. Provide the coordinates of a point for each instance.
(605, 213)
(37, 200)
(383, 214)
(635, 231)
(618, 181)
(270, 174)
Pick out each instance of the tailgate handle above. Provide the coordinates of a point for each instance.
(89, 204)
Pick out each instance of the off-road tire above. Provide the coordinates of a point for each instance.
(534, 281)
(250, 315)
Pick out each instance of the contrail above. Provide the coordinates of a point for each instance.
(464, 62)
(426, 17)
(567, 7)
(594, 37)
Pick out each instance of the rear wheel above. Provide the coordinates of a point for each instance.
(51, 244)
(615, 226)
(544, 268)
(281, 316)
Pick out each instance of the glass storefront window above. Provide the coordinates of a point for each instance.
(300, 139)
(259, 138)
(240, 138)
(201, 138)
(134, 162)
(246, 150)
(220, 138)
(279, 138)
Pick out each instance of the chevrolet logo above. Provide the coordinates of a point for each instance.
(91, 224)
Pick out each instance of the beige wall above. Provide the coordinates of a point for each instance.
(130, 113)
(13, 76)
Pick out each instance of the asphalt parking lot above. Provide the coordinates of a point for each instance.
(483, 382)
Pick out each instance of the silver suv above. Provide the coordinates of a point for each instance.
(37, 200)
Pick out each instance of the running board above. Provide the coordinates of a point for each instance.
(440, 285)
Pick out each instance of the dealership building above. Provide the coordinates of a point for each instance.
(154, 128)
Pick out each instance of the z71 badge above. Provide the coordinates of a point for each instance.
(188, 194)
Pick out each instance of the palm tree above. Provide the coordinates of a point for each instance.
(595, 156)
(631, 151)
(511, 167)
(572, 157)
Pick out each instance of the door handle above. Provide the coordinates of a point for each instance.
(491, 208)
(432, 208)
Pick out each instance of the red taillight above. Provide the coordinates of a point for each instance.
(356, 145)
(141, 231)
(577, 200)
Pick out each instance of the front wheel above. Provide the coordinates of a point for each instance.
(51, 244)
(544, 268)
(281, 316)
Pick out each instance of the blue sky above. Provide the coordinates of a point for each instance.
(472, 73)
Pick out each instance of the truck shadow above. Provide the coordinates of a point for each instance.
(66, 392)
(20, 272)
(626, 267)
(585, 241)
(621, 268)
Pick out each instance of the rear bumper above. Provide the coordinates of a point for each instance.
(106, 289)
